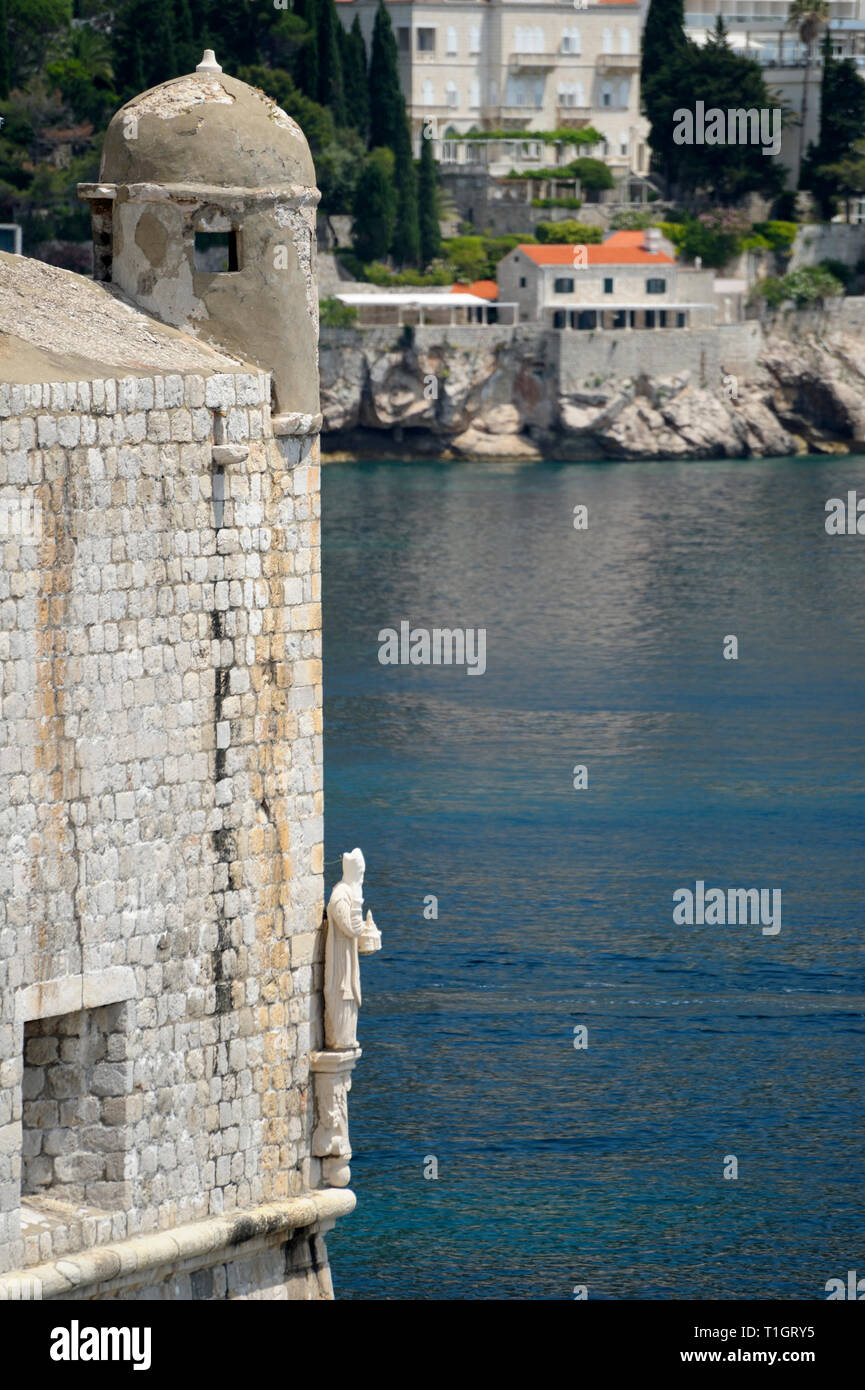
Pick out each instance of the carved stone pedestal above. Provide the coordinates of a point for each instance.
(332, 1070)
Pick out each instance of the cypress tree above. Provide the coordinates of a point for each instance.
(5, 55)
(386, 105)
(405, 246)
(188, 52)
(663, 37)
(428, 215)
(663, 74)
(330, 85)
(354, 77)
(374, 207)
(306, 71)
(160, 51)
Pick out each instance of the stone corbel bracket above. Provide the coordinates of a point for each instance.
(330, 1142)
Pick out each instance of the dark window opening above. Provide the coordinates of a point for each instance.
(522, 282)
(216, 252)
(656, 287)
(563, 285)
(608, 286)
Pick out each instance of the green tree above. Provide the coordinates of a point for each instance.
(665, 53)
(406, 233)
(32, 29)
(723, 80)
(428, 209)
(5, 54)
(330, 87)
(354, 77)
(592, 173)
(809, 18)
(375, 206)
(847, 175)
(386, 104)
(188, 51)
(842, 123)
(144, 30)
(306, 63)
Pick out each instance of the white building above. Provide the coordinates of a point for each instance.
(628, 281)
(520, 65)
(759, 28)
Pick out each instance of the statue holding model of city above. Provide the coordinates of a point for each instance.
(348, 937)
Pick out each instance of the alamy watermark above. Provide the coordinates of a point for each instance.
(718, 907)
(438, 646)
(739, 126)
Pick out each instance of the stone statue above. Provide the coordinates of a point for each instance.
(347, 936)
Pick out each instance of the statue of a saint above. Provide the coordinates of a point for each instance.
(347, 935)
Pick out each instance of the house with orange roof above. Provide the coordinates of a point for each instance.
(630, 280)
(521, 66)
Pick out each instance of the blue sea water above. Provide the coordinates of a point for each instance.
(601, 1167)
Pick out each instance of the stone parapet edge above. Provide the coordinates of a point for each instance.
(69, 1275)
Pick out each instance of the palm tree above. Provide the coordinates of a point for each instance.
(809, 18)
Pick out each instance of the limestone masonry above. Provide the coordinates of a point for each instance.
(161, 891)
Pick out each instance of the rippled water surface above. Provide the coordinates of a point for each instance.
(604, 1166)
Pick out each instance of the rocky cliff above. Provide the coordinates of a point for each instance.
(483, 393)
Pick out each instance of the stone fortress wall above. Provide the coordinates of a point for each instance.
(161, 889)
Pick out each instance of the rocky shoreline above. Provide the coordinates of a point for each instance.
(802, 394)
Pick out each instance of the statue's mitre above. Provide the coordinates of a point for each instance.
(354, 858)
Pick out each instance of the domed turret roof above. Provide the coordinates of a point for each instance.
(208, 129)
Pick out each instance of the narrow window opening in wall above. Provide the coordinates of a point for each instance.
(75, 1091)
(218, 497)
(216, 252)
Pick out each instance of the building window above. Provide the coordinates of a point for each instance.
(475, 92)
(656, 286)
(680, 320)
(428, 94)
(522, 282)
(623, 146)
(608, 285)
(563, 285)
(426, 40)
(560, 318)
(624, 40)
(451, 42)
(216, 252)
(606, 95)
(403, 39)
(624, 93)
(474, 40)
(453, 96)
(608, 40)
(571, 41)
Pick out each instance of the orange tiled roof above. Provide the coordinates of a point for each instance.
(621, 248)
(484, 289)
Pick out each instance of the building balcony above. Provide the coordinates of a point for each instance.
(574, 116)
(618, 62)
(522, 62)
